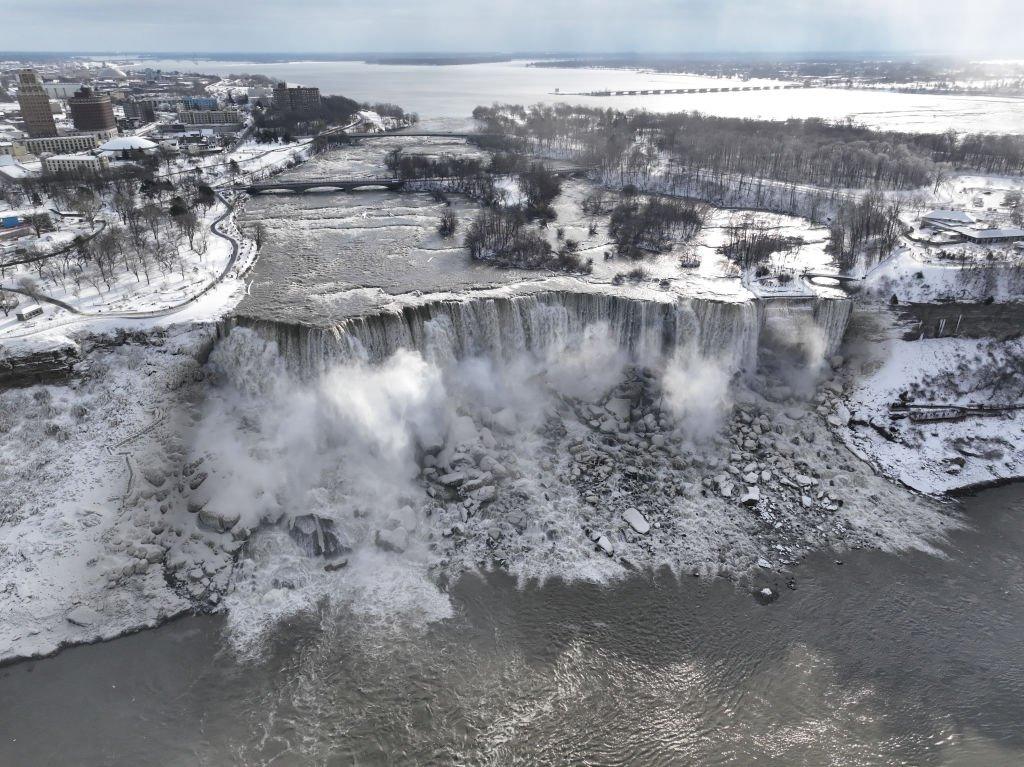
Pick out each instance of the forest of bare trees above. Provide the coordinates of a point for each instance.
(808, 151)
(153, 218)
(752, 241)
(504, 237)
(870, 226)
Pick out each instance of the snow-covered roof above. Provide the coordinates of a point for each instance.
(1005, 233)
(12, 169)
(127, 143)
(957, 216)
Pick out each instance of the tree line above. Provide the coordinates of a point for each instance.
(810, 151)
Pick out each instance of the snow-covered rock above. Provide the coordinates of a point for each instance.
(636, 520)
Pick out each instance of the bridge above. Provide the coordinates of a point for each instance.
(332, 184)
(848, 283)
(350, 184)
(411, 134)
(674, 91)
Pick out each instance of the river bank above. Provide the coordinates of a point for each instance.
(883, 658)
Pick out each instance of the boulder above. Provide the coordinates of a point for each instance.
(220, 520)
(751, 496)
(154, 475)
(619, 408)
(452, 478)
(505, 420)
(396, 541)
(83, 616)
(636, 520)
(484, 494)
(766, 595)
(605, 545)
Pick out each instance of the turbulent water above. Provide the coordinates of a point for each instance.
(882, 660)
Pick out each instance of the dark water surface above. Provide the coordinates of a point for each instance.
(908, 659)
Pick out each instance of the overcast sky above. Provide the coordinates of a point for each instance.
(986, 27)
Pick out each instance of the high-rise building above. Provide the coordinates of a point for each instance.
(92, 111)
(140, 109)
(209, 116)
(296, 99)
(35, 105)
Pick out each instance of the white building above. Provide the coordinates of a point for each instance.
(209, 117)
(12, 172)
(993, 236)
(947, 218)
(126, 146)
(79, 142)
(74, 164)
(56, 90)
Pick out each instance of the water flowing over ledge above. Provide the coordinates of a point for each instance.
(501, 325)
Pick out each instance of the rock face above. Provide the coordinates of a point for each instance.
(44, 366)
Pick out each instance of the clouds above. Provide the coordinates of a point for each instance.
(988, 26)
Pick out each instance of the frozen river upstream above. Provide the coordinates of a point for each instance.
(448, 94)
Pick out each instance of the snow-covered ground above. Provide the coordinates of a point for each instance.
(915, 276)
(79, 560)
(933, 457)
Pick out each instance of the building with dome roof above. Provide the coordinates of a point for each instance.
(124, 147)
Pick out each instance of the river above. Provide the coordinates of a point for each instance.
(879, 660)
(447, 95)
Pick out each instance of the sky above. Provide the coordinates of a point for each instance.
(980, 28)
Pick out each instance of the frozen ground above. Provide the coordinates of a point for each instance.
(940, 456)
(78, 561)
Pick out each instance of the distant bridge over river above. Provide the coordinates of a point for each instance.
(675, 91)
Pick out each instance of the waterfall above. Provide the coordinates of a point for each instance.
(816, 325)
(503, 326)
(832, 315)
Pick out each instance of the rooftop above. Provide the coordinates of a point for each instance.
(958, 216)
(127, 143)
